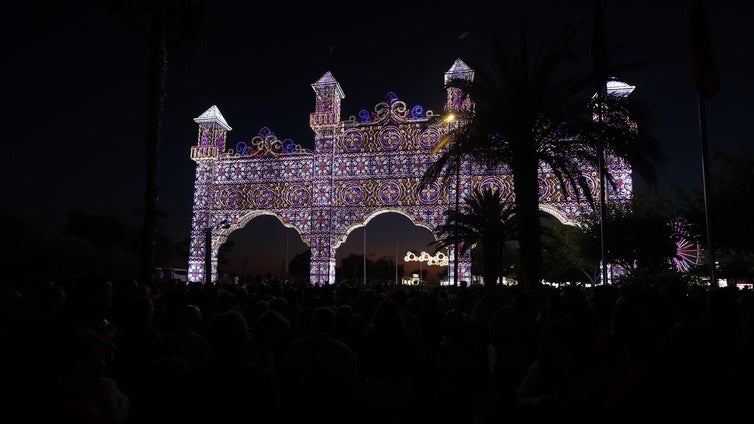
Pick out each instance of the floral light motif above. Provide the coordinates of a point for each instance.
(266, 143)
(417, 112)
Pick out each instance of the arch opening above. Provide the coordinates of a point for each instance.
(381, 243)
(260, 247)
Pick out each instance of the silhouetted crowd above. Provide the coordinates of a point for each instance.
(93, 350)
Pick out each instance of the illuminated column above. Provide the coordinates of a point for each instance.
(464, 191)
(211, 142)
(622, 191)
(456, 102)
(325, 122)
(459, 105)
(326, 113)
(464, 267)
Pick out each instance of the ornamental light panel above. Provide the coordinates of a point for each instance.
(366, 164)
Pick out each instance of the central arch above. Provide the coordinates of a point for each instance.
(361, 167)
(377, 213)
(384, 237)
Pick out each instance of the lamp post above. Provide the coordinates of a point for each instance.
(287, 262)
(421, 277)
(396, 262)
(450, 120)
(208, 249)
(448, 265)
(365, 255)
(455, 229)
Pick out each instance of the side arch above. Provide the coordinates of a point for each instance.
(563, 217)
(248, 216)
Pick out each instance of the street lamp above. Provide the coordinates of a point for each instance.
(450, 119)
(365, 255)
(208, 249)
(455, 226)
(396, 262)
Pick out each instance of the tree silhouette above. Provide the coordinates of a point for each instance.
(485, 219)
(172, 25)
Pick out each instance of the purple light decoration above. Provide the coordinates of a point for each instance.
(364, 116)
(266, 143)
(391, 97)
(417, 112)
(688, 254)
(242, 148)
(264, 132)
(289, 146)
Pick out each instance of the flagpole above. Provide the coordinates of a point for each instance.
(455, 229)
(705, 182)
(601, 69)
(420, 265)
(365, 255)
(706, 80)
(603, 200)
(396, 262)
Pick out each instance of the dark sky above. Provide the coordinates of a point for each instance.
(75, 95)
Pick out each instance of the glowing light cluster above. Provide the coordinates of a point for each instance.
(688, 253)
(392, 103)
(439, 258)
(266, 143)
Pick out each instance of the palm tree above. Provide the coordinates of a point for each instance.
(529, 112)
(486, 220)
(172, 25)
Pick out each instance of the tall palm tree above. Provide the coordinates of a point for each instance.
(528, 112)
(486, 220)
(172, 25)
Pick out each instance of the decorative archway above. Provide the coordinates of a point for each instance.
(360, 167)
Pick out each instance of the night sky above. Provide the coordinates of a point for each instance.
(75, 93)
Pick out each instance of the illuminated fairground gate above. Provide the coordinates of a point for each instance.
(360, 167)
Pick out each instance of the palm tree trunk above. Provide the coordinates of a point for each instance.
(157, 77)
(501, 264)
(491, 263)
(526, 188)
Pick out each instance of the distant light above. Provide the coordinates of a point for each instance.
(439, 258)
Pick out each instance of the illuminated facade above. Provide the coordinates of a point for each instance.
(360, 167)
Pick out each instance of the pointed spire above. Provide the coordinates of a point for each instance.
(213, 115)
(619, 88)
(459, 70)
(328, 80)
